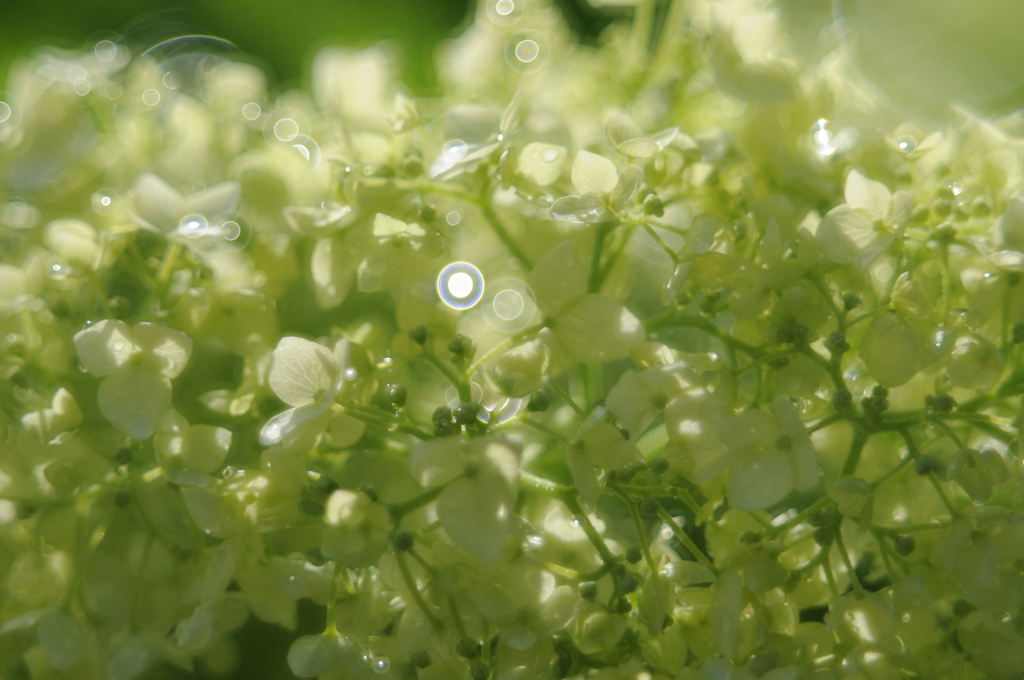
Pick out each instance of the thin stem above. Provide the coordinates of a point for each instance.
(686, 540)
(399, 510)
(414, 590)
(829, 576)
(529, 422)
(860, 438)
(846, 560)
(460, 627)
(460, 385)
(915, 453)
(332, 597)
(600, 233)
(499, 230)
(564, 395)
(638, 526)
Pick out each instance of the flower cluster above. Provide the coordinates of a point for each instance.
(676, 357)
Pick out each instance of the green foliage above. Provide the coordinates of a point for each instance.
(674, 357)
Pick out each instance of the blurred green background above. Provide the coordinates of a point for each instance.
(280, 34)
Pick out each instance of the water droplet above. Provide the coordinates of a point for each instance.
(76, 72)
(906, 144)
(151, 97)
(822, 139)
(453, 218)
(509, 305)
(105, 202)
(380, 665)
(251, 111)
(350, 374)
(957, 188)
(455, 151)
(308, 149)
(286, 129)
(527, 52)
(57, 269)
(550, 155)
(105, 50)
(534, 542)
(460, 285)
(504, 7)
(171, 80)
(113, 90)
(82, 86)
(505, 12)
(232, 230)
(193, 226)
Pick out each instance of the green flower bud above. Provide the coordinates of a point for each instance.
(851, 301)
(418, 334)
(904, 545)
(420, 658)
(649, 507)
(1018, 332)
(466, 413)
(659, 466)
(468, 648)
(634, 555)
(368, 490)
(461, 346)
(653, 206)
(925, 465)
(942, 207)
(588, 590)
(538, 402)
(841, 399)
(123, 455)
(920, 213)
(479, 671)
(442, 414)
(404, 540)
(981, 206)
(824, 536)
(623, 606)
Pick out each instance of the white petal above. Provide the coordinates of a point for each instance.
(158, 203)
(333, 270)
(301, 370)
(558, 277)
(593, 174)
(437, 461)
(477, 512)
(759, 482)
(847, 235)
(344, 431)
(207, 447)
(630, 403)
(867, 194)
(385, 225)
(900, 206)
(216, 203)
(168, 350)
(542, 163)
(890, 350)
(285, 424)
(595, 329)
(313, 655)
(135, 400)
(625, 186)
(621, 127)
(104, 346)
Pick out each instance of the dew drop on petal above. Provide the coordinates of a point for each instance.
(906, 144)
(460, 285)
(957, 188)
(82, 87)
(350, 374)
(509, 305)
(527, 51)
(151, 97)
(57, 269)
(171, 80)
(193, 226)
(308, 149)
(453, 218)
(76, 72)
(822, 139)
(504, 7)
(380, 664)
(455, 150)
(251, 111)
(104, 202)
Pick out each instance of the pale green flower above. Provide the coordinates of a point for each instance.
(136, 365)
(861, 229)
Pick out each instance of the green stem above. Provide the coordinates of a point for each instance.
(564, 395)
(460, 627)
(460, 385)
(600, 233)
(399, 510)
(499, 230)
(332, 597)
(638, 526)
(686, 540)
(846, 561)
(860, 438)
(414, 590)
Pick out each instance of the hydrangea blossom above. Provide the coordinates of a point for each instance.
(136, 364)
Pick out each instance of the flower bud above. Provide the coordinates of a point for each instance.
(588, 590)
(634, 555)
(468, 648)
(404, 540)
(420, 658)
(418, 334)
(653, 206)
(396, 395)
(538, 402)
(904, 545)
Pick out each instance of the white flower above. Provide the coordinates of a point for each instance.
(308, 377)
(891, 350)
(136, 365)
(771, 456)
(638, 398)
(50, 423)
(398, 249)
(475, 509)
(160, 207)
(357, 529)
(593, 328)
(600, 187)
(190, 452)
(860, 230)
